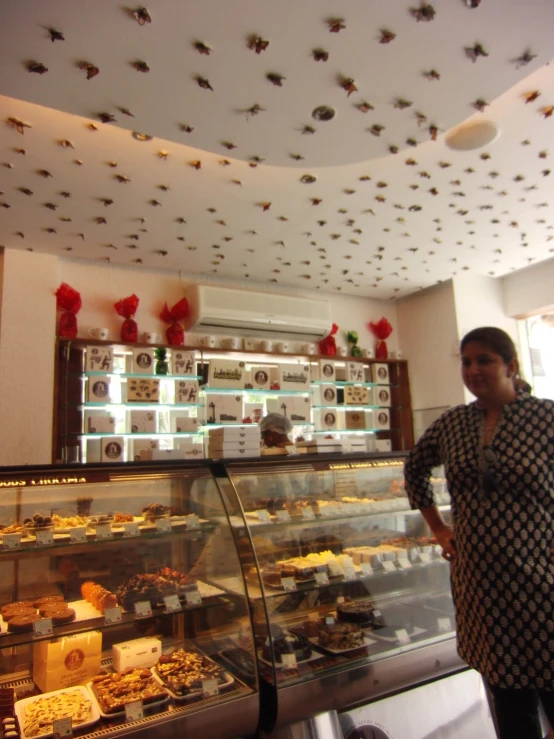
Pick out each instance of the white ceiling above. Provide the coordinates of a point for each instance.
(384, 227)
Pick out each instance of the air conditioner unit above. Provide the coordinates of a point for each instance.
(222, 310)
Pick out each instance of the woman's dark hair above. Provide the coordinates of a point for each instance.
(495, 338)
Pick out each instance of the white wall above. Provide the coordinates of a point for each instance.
(530, 291)
(27, 333)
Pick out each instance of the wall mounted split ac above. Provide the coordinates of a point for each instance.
(222, 310)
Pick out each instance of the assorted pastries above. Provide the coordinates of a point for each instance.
(98, 596)
(21, 615)
(114, 690)
(39, 715)
(183, 672)
(153, 587)
(287, 643)
(339, 635)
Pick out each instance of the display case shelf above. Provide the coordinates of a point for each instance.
(135, 376)
(141, 435)
(139, 406)
(251, 391)
(344, 407)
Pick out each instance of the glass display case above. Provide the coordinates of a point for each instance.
(349, 595)
(110, 608)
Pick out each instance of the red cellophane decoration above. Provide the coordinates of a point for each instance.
(328, 345)
(126, 308)
(175, 333)
(381, 330)
(69, 301)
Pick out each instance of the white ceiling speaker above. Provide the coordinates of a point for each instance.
(324, 113)
(471, 136)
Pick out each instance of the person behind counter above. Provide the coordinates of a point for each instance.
(274, 430)
(498, 453)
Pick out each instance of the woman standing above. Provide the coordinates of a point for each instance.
(498, 454)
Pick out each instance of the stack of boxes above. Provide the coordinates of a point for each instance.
(233, 442)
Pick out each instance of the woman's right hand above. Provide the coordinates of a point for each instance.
(445, 538)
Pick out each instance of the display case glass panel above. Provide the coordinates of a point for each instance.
(108, 593)
(337, 564)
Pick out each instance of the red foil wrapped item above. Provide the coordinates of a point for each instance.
(69, 301)
(381, 330)
(126, 308)
(175, 332)
(328, 345)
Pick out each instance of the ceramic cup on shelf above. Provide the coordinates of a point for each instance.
(207, 341)
(266, 345)
(150, 337)
(306, 348)
(231, 342)
(282, 347)
(395, 354)
(368, 353)
(342, 351)
(99, 333)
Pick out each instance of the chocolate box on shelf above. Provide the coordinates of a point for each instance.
(186, 391)
(294, 377)
(380, 373)
(182, 362)
(99, 359)
(143, 390)
(143, 361)
(297, 409)
(142, 422)
(99, 389)
(142, 652)
(226, 373)
(223, 408)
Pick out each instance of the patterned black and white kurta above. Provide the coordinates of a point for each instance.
(503, 575)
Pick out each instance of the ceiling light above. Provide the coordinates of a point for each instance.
(308, 179)
(472, 135)
(324, 113)
(141, 136)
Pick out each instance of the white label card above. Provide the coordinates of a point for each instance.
(367, 569)
(424, 557)
(329, 620)
(193, 522)
(193, 598)
(283, 516)
(402, 636)
(288, 660)
(321, 578)
(172, 603)
(11, 541)
(43, 627)
(340, 600)
(291, 449)
(263, 516)
(77, 534)
(289, 584)
(134, 711)
(388, 566)
(444, 624)
(44, 538)
(404, 563)
(113, 615)
(131, 529)
(163, 525)
(349, 572)
(103, 531)
(62, 727)
(210, 687)
(308, 513)
(143, 609)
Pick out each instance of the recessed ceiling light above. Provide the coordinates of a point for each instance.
(470, 136)
(308, 179)
(141, 136)
(324, 113)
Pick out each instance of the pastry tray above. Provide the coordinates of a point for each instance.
(225, 684)
(280, 666)
(145, 705)
(84, 611)
(315, 641)
(21, 705)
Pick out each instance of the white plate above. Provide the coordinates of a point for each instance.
(194, 695)
(313, 656)
(145, 706)
(21, 705)
(315, 641)
(393, 640)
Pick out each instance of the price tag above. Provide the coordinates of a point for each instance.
(11, 541)
(103, 531)
(388, 566)
(424, 557)
(172, 603)
(321, 578)
(62, 727)
(367, 569)
(291, 449)
(77, 534)
(308, 513)
(263, 516)
(43, 627)
(283, 516)
(113, 615)
(143, 609)
(134, 711)
(289, 584)
(131, 529)
(402, 636)
(193, 522)
(210, 687)
(163, 525)
(193, 598)
(404, 563)
(288, 660)
(44, 538)
(329, 620)
(346, 446)
(444, 624)
(327, 511)
(340, 600)
(349, 572)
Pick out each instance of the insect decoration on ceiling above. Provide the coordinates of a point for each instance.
(122, 178)
(336, 25)
(66, 144)
(275, 79)
(258, 44)
(55, 35)
(308, 130)
(140, 66)
(100, 219)
(376, 129)
(202, 48)
(433, 132)
(524, 59)
(402, 104)
(36, 67)
(348, 85)
(186, 128)
(204, 83)
(25, 191)
(92, 127)
(44, 173)
(432, 74)
(320, 55)
(197, 164)
(297, 157)
(393, 149)
(475, 51)
(530, 97)
(386, 36)
(106, 117)
(547, 112)
(424, 13)
(253, 110)
(90, 69)
(51, 206)
(142, 16)
(480, 105)
(127, 112)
